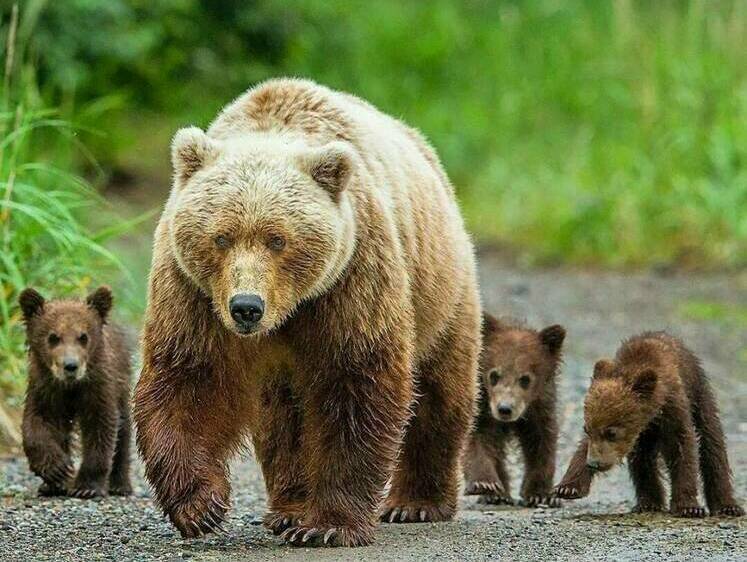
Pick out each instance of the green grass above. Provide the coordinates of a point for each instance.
(581, 131)
(43, 204)
(718, 312)
(585, 131)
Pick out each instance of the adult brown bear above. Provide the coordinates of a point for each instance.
(313, 288)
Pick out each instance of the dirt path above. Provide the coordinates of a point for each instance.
(709, 312)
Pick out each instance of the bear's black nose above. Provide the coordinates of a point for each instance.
(593, 465)
(505, 410)
(70, 365)
(246, 310)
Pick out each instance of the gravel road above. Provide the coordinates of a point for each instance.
(598, 310)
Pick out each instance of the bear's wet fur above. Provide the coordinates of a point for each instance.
(518, 371)
(78, 378)
(313, 289)
(654, 399)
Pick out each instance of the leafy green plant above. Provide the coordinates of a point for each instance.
(43, 205)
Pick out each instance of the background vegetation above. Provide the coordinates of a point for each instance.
(593, 132)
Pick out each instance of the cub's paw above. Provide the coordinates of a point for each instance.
(731, 511)
(57, 474)
(541, 500)
(120, 490)
(416, 513)
(322, 535)
(570, 491)
(647, 507)
(87, 490)
(47, 490)
(694, 511)
(484, 488)
(278, 522)
(491, 499)
(200, 515)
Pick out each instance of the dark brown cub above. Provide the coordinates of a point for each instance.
(654, 399)
(79, 374)
(518, 367)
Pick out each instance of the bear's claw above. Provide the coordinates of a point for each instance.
(279, 522)
(694, 511)
(86, 491)
(415, 514)
(305, 535)
(542, 500)
(569, 492)
(647, 507)
(482, 487)
(731, 511)
(198, 521)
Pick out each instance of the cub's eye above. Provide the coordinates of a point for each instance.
(276, 243)
(525, 381)
(494, 377)
(609, 434)
(83, 339)
(53, 339)
(222, 242)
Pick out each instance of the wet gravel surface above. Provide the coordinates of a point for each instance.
(598, 309)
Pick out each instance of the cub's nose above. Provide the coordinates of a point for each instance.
(593, 464)
(70, 366)
(505, 410)
(246, 310)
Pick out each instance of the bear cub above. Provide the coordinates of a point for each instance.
(654, 399)
(518, 368)
(79, 374)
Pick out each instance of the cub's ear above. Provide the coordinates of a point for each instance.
(490, 324)
(645, 383)
(191, 150)
(331, 166)
(552, 338)
(101, 301)
(602, 368)
(31, 302)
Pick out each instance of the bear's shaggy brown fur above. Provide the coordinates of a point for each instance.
(653, 399)
(518, 368)
(312, 288)
(79, 371)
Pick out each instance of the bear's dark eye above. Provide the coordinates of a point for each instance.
(222, 242)
(609, 434)
(53, 339)
(276, 243)
(83, 339)
(494, 377)
(525, 381)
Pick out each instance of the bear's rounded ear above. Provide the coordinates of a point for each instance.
(101, 301)
(31, 302)
(644, 384)
(552, 338)
(602, 368)
(331, 166)
(191, 150)
(490, 324)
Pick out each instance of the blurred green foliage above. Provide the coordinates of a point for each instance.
(588, 131)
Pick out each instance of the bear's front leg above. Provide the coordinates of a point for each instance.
(277, 439)
(353, 419)
(576, 482)
(187, 426)
(46, 447)
(537, 434)
(98, 425)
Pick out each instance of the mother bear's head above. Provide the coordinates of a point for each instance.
(260, 222)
